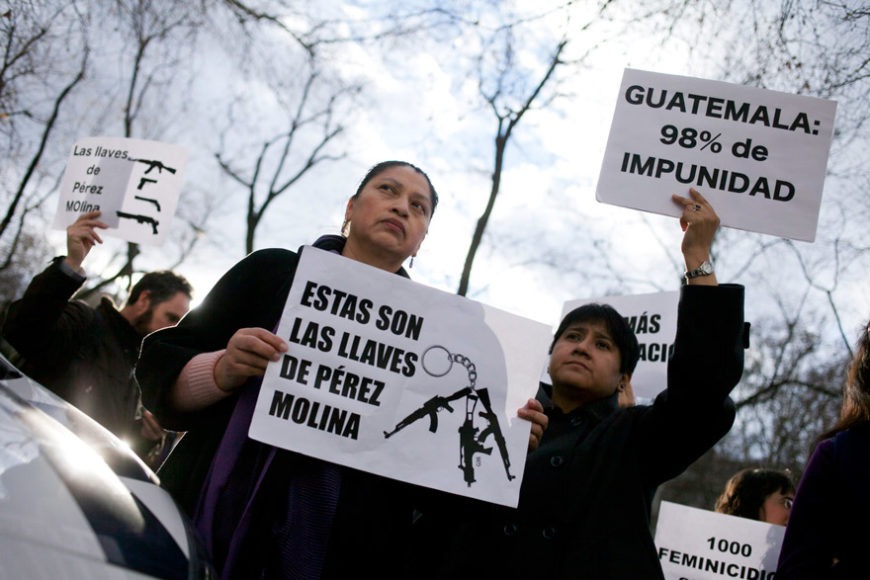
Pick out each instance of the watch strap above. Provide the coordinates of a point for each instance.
(705, 269)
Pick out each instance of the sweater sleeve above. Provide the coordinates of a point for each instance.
(195, 387)
(251, 294)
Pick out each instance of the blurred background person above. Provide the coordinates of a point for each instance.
(759, 494)
(86, 355)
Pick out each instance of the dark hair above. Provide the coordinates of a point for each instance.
(161, 286)
(623, 335)
(747, 490)
(856, 392)
(384, 165)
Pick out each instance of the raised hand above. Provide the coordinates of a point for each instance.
(81, 236)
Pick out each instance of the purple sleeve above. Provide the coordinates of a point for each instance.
(813, 526)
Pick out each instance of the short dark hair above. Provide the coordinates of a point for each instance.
(623, 335)
(161, 285)
(384, 165)
(747, 490)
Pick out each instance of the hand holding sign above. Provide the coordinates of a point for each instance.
(81, 236)
(133, 183)
(395, 378)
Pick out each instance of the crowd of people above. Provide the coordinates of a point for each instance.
(595, 457)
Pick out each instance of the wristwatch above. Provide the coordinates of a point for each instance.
(705, 269)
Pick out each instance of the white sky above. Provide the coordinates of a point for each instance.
(416, 108)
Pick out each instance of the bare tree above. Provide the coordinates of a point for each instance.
(498, 94)
(285, 158)
(158, 38)
(30, 58)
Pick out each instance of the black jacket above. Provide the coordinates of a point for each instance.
(587, 491)
(85, 355)
(374, 514)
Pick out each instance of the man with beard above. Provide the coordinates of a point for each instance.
(87, 355)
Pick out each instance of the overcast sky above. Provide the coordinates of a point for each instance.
(417, 108)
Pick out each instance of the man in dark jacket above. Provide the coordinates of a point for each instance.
(587, 491)
(87, 355)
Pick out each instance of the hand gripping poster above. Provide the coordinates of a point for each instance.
(393, 377)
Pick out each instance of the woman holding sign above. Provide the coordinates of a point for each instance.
(264, 512)
(586, 498)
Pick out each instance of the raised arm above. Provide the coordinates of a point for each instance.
(699, 223)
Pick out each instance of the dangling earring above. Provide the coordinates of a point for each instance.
(345, 227)
(411, 265)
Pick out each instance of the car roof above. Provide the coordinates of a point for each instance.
(75, 501)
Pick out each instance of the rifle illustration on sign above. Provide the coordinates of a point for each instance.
(143, 218)
(471, 437)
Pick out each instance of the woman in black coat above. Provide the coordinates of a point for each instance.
(265, 512)
(587, 491)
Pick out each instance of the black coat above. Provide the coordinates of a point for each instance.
(85, 355)
(374, 514)
(587, 491)
(822, 540)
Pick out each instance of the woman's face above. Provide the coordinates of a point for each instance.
(390, 217)
(584, 365)
(776, 508)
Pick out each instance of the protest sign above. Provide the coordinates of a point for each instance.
(134, 183)
(399, 379)
(696, 544)
(758, 156)
(653, 318)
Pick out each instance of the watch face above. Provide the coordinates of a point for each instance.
(705, 269)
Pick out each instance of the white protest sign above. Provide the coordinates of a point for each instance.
(134, 183)
(399, 379)
(758, 156)
(653, 318)
(696, 544)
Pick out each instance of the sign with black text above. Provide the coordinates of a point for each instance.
(759, 156)
(134, 183)
(696, 544)
(399, 379)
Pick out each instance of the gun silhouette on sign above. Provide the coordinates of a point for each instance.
(149, 200)
(430, 408)
(143, 181)
(142, 219)
(154, 164)
(471, 437)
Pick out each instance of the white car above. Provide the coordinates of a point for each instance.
(76, 502)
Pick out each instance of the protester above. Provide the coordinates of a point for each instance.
(759, 494)
(825, 536)
(265, 512)
(86, 355)
(587, 491)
